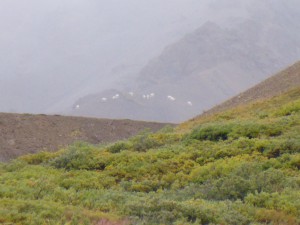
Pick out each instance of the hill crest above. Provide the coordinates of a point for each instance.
(281, 82)
(24, 133)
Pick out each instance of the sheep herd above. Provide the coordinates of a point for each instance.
(143, 96)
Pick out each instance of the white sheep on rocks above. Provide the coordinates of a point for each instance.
(171, 98)
(116, 96)
(148, 96)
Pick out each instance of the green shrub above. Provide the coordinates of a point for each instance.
(255, 130)
(219, 132)
(119, 146)
(295, 162)
(79, 156)
(278, 147)
(143, 142)
(232, 188)
(40, 157)
(214, 132)
(289, 109)
(15, 165)
(249, 130)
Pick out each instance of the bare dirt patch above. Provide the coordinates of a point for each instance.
(23, 133)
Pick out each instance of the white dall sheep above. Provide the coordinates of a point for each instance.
(190, 103)
(171, 98)
(116, 96)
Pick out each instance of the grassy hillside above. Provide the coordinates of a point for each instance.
(236, 167)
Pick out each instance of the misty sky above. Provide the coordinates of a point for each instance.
(55, 51)
(58, 49)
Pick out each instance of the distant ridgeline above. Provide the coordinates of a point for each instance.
(159, 106)
(205, 68)
(240, 166)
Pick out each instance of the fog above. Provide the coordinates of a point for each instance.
(54, 51)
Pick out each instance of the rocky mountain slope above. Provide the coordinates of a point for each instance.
(275, 85)
(23, 133)
(206, 67)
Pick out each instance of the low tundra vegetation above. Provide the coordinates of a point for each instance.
(237, 167)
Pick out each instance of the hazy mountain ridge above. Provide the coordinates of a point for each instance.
(66, 50)
(210, 65)
(61, 50)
